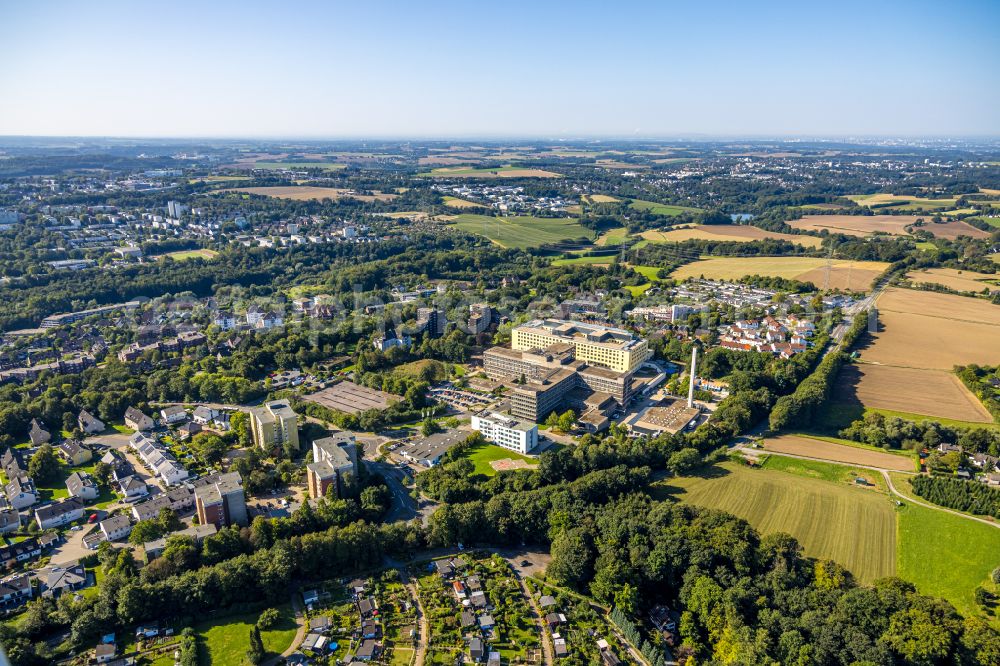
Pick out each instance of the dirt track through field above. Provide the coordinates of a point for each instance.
(823, 450)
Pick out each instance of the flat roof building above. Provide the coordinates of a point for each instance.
(604, 346)
(505, 431)
(274, 424)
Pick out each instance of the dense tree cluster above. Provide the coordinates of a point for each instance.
(958, 494)
(892, 432)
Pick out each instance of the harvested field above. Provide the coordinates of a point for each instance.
(925, 329)
(455, 202)
(852, 526)
(351, 398)
(444, 160)
(852, 275)
(956, 279)
(599, 198)
(800, 445)
(307, 193)
(499, 172)
(740, 233)
(928, 392)
(907, 363)
(863, 225)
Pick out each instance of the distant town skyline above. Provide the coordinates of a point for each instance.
(546, 70)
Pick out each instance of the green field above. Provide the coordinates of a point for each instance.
(184, 255)
(225, 643)
(523, 231)
(945, 555)
(613, 237)
(660, 209)
(326, 166)
(853, 526)
(588, 260)
(483, 454)
(648, 272)
(901, 202)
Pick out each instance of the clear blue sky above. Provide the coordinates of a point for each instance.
(554, 69)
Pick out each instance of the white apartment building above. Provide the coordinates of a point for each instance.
(505, 431)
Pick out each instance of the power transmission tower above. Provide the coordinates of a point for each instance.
(829, 266)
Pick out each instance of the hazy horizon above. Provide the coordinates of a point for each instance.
(581, 71)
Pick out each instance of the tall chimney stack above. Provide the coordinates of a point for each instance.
(694, 367)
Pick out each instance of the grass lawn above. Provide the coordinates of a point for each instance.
(483, 454)
(648, 272)
(853, 526)
(661, 209)
(588, 260)
(523, 231)
(638, 290)
(184, 255)
(225, 642)
(945, 555)
(927, 246)
(814, 469)
(613, 237)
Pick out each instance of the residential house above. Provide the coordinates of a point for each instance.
(367, 607)
(59, 513)
(132, 487)
(13, 463)
(60, 580)
(315, 644)
(479, 600)
(477, 649)
(82, 485)
(21, 492)
(156, 547)
(15, 591)
(75, 452)
(204, 415)
(188, 430)
(173, 414)
(105, 652)
(320, 624)
(554, 620)
(179, 500)
(10, 520)
(38, 433)
(89, 423)
(559, 647)
(367, 651)
(22, 551)
(116, 527)
(137, 420)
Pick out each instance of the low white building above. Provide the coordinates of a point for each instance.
(505, 431)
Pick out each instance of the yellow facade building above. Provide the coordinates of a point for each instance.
(607, 347)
